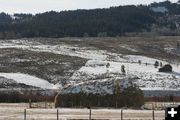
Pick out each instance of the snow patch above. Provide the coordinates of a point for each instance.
(28, 80)
(159, 9)
(129, 48)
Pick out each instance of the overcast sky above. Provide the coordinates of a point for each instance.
(39, 6)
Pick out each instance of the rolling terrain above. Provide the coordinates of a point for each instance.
(73, 65)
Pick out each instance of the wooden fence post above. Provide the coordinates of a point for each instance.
(121, 114)
(153, 115)
(90, 113)
(57, 114)
(89, 107)
(24, 114)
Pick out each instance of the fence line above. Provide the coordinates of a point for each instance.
(90, 114)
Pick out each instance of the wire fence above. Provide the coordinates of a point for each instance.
(81, 114)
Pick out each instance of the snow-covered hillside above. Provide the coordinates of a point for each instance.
(95, 76)
(145, 76)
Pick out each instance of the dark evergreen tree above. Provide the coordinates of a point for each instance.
(156, 64)
(123, 69)
(115, 21)
(178, 45)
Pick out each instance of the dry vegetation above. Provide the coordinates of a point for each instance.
(16, 112)
(148, 46)
(41, 64)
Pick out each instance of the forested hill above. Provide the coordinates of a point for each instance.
(115, 21)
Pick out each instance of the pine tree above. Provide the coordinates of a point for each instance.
(107, 65)
(123, 69)
(156, 64)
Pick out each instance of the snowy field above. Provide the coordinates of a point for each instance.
(16, 112)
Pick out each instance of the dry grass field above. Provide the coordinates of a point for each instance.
(16, 112)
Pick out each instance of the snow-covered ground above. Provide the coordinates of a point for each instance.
(145, 76)
(95, 77)
(28, 80)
